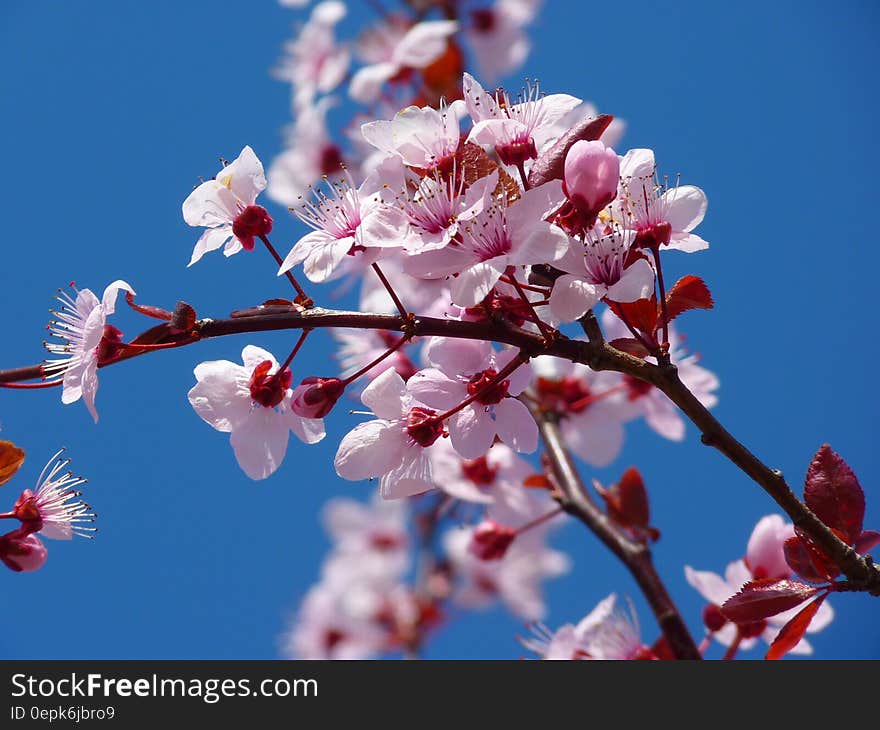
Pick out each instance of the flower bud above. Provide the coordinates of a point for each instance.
(713, 618)
(269, 390)
(315, 397)
(592, 172)
(253, 221)
(23, 554)
(491, 540)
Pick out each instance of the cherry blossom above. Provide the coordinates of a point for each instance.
(515, 579)
(357, 348)
(597, 269)
(55, 509)
(764, 559)
(314, 62)
(661, 216)
(606, 633)
(462, 369)
(251, 402)
(647, 401)
(496, 35)
(479, 480)
(515, 130)
(310, 154)
(345, 221)
(86, 342)
(501, 237)
(225, 206)
(592, 406)
(393, 48)
(393, 446)
(421, 137)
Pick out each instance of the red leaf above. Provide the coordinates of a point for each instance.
(631, 346)
(759, 599)
(808, 562)
(689, 292)
(641, 314)
(790, 634)
(834, 494)
(865, 541)
(550, 165)
(537, 481)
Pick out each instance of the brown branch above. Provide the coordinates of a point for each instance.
(636, 556)
(597, 354)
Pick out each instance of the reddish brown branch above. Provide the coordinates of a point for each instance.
(597, 354)
(636, 556)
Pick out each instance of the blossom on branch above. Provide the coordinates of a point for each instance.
(251, 402)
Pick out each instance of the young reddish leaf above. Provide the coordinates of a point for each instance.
(867, 540)
(834, 494)
(11, 459)
(551, 164)
(146, 309)
(537, 481)
(689, 292)
(806, 561)
(641, 314)
(790, 634)
(627, 504)
(631, 346)
(759, 599)
(153, 335)
(183, 318)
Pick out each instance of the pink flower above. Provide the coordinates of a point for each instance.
(764, 559)
(219, 203)
(659, 412)
(358, 347)
(496, 35)
(516, 579)
(252, 404)
(86, 342)
(515, 130)
(592, 174)
(501, 237)
(394, 47)
(463, 368)
(595, 271)
(661, 216)
(310, 154)
(592, 407)
(479, 480)
(347, 222)
(607, 633)
(314, 61)
(55, 509)
(392, 447)
(421, 137)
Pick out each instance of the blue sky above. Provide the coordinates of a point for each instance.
(111, 110)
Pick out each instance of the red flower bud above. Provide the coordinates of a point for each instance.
(315, 397)
(269, 390)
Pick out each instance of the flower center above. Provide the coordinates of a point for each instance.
(423, 427)
(636, 388)
(654, 235)
(330, 160)
(269, 390)
(479, 471)
(253, 221)
(493, 393)
(110, 345)
(567, 395)
(483, 20)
